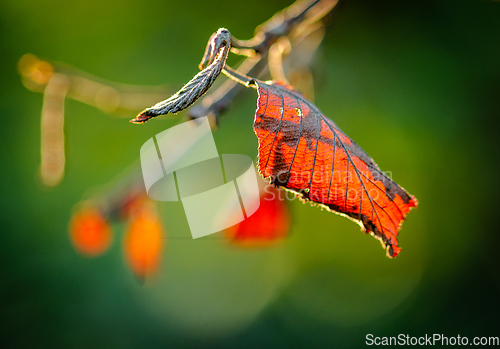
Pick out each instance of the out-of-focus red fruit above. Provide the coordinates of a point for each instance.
(144, 242)
(268, 225)
(89, 232)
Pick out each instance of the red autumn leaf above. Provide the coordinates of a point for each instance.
(89, 232)
(268, 225)
(304, 151)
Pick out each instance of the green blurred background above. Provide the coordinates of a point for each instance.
(416, 84)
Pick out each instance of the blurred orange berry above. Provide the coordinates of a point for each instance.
(89, 232)
(144, 242)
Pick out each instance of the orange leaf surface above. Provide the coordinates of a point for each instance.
(302, 150)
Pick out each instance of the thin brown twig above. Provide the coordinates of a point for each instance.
(111, 97)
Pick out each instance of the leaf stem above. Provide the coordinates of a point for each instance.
(237, 76)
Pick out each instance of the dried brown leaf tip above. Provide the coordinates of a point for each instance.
(212, 64)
